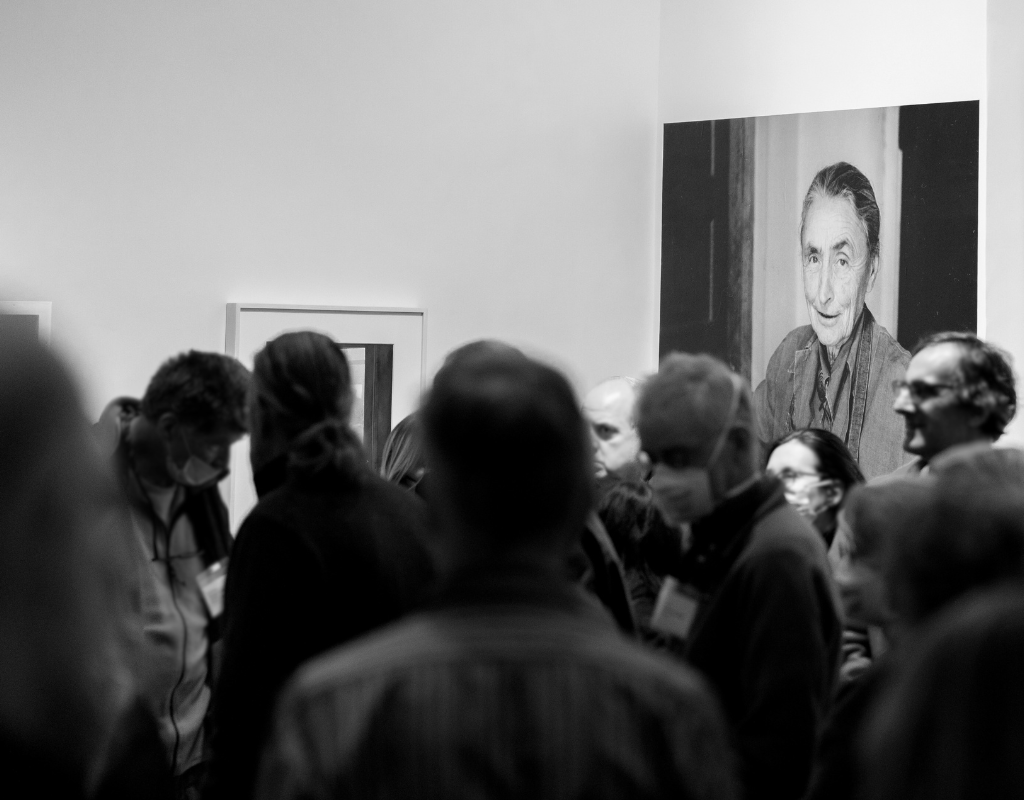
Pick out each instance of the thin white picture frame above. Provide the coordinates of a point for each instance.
(343, 323)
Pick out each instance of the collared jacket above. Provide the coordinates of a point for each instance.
(783, 400)
(176, 662)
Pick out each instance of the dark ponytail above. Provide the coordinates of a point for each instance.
(303, 379)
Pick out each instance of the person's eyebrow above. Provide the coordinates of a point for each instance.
(812, 250)
(842, 244)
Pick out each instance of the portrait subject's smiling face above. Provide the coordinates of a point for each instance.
(838, 268)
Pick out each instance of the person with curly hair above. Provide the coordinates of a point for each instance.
(958, 389)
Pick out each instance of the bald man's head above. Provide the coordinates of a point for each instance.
(608, 408)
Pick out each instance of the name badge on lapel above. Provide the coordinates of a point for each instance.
(675, 609)
(211, 583)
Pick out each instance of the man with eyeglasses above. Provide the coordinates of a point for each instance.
(171, 449)
(958, 390)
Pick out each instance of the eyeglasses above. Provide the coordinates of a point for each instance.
(921, 391)
(787, 476)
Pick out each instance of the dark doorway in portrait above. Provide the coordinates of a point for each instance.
(705, 242)
(939, 221)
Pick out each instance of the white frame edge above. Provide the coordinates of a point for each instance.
(234, 322)
(40, 308)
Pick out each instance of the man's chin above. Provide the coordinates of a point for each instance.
(915, 443)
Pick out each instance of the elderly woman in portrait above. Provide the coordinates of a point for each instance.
(837, 372)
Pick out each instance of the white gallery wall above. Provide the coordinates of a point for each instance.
(1003, 289)
(495, 163)
(490, 162)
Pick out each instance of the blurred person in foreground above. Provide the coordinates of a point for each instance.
(513, 683)
(401, 460)
(752, 595)
(918, 545)
(952, 727)
(330, 552)
(171, 449)
(958, 389)
(70, 726)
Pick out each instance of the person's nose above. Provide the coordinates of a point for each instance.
(904, 403)
(825, 289)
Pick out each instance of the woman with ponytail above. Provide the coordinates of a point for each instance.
(330, 552)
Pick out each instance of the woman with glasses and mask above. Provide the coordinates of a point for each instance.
(817, 472)
(330, 552)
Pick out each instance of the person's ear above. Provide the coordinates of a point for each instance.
(872, 274)
(977, 415)
(167, 423)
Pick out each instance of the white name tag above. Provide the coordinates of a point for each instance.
(211, 583)
(675, 609)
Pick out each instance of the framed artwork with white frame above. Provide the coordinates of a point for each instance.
(25, 319)
(385, 350)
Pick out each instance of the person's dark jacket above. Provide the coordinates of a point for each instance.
(767, 633)
(319, 561)
(838, 767)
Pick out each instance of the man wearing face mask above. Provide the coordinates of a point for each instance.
(171, 449)
(751, 595)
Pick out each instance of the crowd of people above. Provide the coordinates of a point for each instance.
(533, 595)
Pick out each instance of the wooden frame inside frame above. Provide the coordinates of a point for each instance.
(374, 377)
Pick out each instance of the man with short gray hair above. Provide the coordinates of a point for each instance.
(752, 595)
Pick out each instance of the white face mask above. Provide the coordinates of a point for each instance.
(195, 472)
(800, 497)
(684, 494)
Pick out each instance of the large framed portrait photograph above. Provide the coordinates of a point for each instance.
(813, 251)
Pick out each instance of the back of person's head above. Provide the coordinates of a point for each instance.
(952, 726)
(625, 508)
(401, 459)
(876, 517)
(62, 564)
(834, 459)
(973, 538)
(207, 391)
(303, 387)
(879, 513)
(507, 449)
(989, 385)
